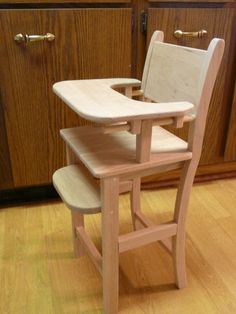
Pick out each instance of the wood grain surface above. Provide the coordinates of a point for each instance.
(65, 1)
(6, 179)
(39, 273)
(218, 23)
(230, 148)
(89, 44)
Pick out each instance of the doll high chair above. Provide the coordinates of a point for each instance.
(127, 143)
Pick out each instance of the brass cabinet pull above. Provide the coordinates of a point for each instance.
(20, 38)
(180, 34)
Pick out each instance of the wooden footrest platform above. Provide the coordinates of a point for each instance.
(78, 189)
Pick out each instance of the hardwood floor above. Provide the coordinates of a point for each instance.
(38, 273)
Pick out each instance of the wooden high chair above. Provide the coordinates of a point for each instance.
(128, 143)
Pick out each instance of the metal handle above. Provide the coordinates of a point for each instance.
(20, 38)
(180, 34)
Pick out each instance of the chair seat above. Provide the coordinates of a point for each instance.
(78, 189)
(115, 154)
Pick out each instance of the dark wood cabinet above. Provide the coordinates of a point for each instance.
(88, 44)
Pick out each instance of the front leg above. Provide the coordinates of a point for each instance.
(110, 248)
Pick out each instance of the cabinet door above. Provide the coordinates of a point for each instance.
(230, 148)
(218, 23)
(89, 43)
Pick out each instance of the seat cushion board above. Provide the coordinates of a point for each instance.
(115, 154)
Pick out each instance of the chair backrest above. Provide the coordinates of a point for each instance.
(177, 73)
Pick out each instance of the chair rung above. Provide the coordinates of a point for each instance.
(146, 222)
(78, 189)
(90, 248)
(145, 236)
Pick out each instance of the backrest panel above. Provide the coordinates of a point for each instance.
(174, 74)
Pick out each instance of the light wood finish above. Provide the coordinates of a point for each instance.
(91, 99)
(157, 36)
(77, 218)
(144, 142)
(33, 115)
(106, 106)
(145, 236)
(110, 250)
(134, 126)
(111, 154)
(163, 85)
(40, 274)
(90, 248)
(146, 222)
(78, 189)
(135, 205)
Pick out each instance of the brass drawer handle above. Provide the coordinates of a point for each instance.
(20, 38)
(180, 34)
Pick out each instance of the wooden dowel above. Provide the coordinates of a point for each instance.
(115, 128)
(137, 92)
(146, 222)
(90, 248)
(144, 236)
(143, 142)
(134, 126)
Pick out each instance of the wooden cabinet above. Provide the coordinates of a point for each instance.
(96, 39)
(88, 44)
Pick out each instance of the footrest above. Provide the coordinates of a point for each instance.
(78, 189)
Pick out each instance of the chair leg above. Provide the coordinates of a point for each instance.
(77, 219)
(110, 248)
(135, 205)
(181, 205)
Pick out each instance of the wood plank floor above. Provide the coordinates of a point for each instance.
(38, 273)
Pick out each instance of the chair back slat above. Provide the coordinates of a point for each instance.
(174, 73)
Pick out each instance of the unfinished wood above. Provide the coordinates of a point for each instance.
(77, 218)
(135, 205)
(134, 127)
(145, 236)
(144, 141)
(110, 252)
(78, 189)
(97, 101)
(146, 222)
(111, 154)
(173, 73)
(90, 248)
(157, 36)
(33, 114)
